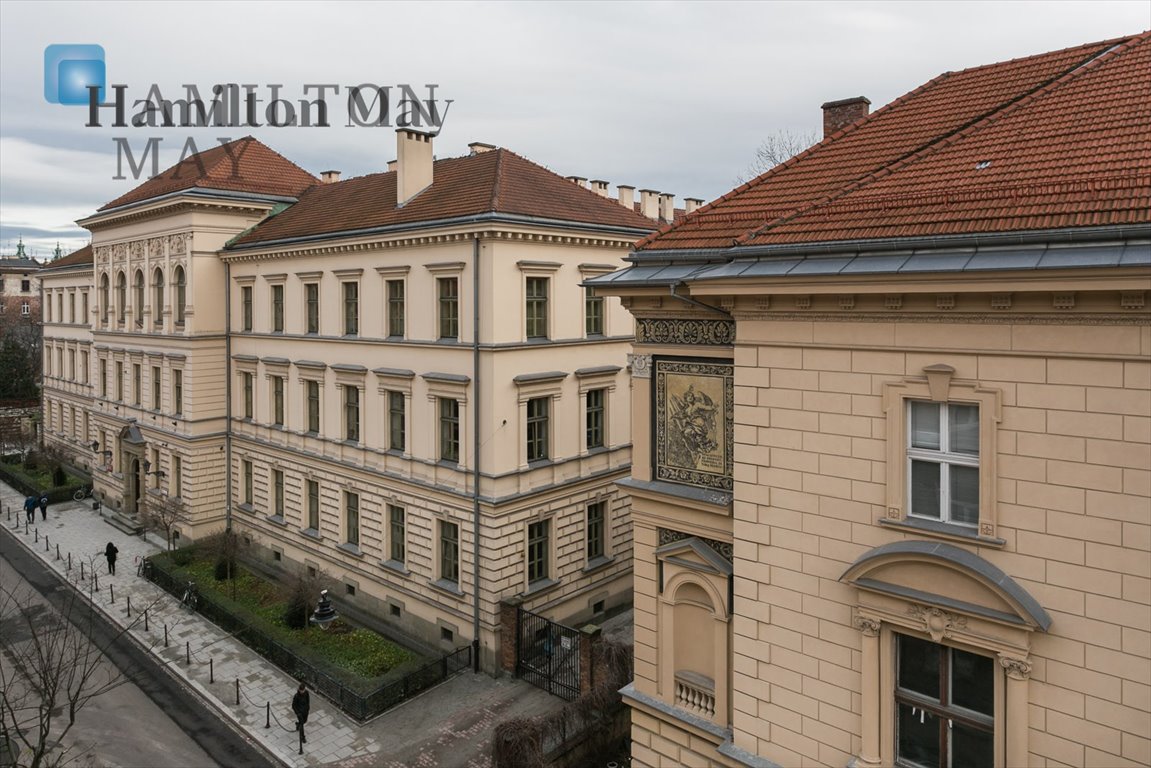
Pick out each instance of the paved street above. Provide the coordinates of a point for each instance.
(448, 727)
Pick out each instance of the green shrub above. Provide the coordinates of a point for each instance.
(225, 569)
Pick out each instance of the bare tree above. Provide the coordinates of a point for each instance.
(50, 669)
(162, 513)
(775, 149)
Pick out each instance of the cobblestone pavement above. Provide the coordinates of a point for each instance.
(447, 727)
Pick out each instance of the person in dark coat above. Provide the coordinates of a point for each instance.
(30, 509)
(301, 705)
(44, 506)
(110, 552)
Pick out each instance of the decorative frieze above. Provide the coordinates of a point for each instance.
(692, 332)
(176, 243)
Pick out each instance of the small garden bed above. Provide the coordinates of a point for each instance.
(39, 475)
(358, 658)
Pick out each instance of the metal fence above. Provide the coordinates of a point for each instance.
(362, 706)
(548, 654)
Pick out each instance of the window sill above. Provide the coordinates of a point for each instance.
(351, 549)
(277, 519)
(598, 563)
(537, 463)
(450, 587)
(396, 566)
(538, 587)
(246, 508)
(311, 533)
(946, 531)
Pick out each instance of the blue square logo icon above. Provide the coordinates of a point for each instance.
(69, 70)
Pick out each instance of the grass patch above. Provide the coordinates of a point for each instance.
(360, 658)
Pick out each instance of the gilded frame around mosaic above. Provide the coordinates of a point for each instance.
(694, 409)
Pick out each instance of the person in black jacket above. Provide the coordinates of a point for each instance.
(301, 705)
(110, 553)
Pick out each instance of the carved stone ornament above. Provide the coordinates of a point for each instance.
(867, 625)
(137, 249)
(176, 243)
(724, 549)
(701, 332)
(640, 366)
(103, 253)
(938, 623)
(156, 247)
(119, 250)
(1017, 669)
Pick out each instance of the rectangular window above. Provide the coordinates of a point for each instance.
(278, 492)
(312, 391)
(537, 433)
(593, 313)
(177, 391)
(248, 386)
(314, 505)
(177, 476)
(155, 387)
(396, 530)
(449, 429)
(277, 309)
(278, 401)
(352, 517)
(596, 531)
(137, 384)
(536, 308)
(945, 705)
(71, 307)
(72, 364)
(119, 381)
(395, 308)
(311, 307)
(84, 307)
(538, 551)
(246, 308)
(103, 378)
(351, 413)
(594, 420)
(448, 292)
(397, 418)
(84, 366)
(943, 462)
(449, 552)
(351, 309)
(247, 472)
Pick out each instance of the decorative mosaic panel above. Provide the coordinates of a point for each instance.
(722, 548)
(694, 408)
(706, 332)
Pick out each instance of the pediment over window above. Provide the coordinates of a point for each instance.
(946, 576)
(693, 554)
(131, 435)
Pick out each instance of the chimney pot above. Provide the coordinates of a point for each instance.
(667, 207)
(691, 204)
(837, 115)
(414, 162)
(580, 181)
(478, 147)
(329, 177)
(626, 196)
(599, 186)
(392, 164)
(649, 203)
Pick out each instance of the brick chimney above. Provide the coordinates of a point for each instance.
(599, 186)
(392, 165)
(626, 196)
(413, 164)
(329, 177)
(691, 204)
(667, 207)
(649, 203)
(837, 115)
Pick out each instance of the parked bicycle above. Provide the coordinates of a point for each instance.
(190, 598)
(143, 567)
(83, 492)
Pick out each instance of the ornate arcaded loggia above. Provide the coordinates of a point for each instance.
(1016, 668)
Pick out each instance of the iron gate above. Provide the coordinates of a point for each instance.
(547, 654)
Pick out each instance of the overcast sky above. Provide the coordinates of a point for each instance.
(668, 96)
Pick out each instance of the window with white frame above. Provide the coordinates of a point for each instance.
(448, 300)
(396, 308)
(536, 307)
(311, 308)
(593, 313)
(351, 309)
(277, 309)
(943, 461)
(595, 417)
(538, 428)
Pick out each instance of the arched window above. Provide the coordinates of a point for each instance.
(181, 294)
(138, 297)
(158, 296)
(104, 296)
(121, 296)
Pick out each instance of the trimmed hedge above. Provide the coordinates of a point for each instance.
(13, 476)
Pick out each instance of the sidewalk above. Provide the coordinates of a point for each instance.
(447, 727)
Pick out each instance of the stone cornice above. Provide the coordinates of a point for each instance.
(970, 318)
(100, 221)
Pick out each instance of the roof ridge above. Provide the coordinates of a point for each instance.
(1072, 72)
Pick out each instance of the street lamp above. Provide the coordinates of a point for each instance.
(157, 473)
(324, 614)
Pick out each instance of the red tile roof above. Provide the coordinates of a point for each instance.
(244, 165)
(497, 181)
(1061, 139)
(75, 258)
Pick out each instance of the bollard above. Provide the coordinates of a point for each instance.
(145, 614)
(111, 595)
(57, 551)
(95, 582)
(165, 635)
(37, 540)
(81, 569)
(237, 691)
(45, 543)
(268, 715)
(69, 562)
(188, 653)
(211, 670)
(129, 599)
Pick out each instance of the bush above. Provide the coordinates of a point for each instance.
(59, 476)
(296, 614)
(225, 569)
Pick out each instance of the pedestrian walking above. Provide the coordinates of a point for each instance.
(301, 705)
(110, 552)
(30, 509)
(44, 507)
